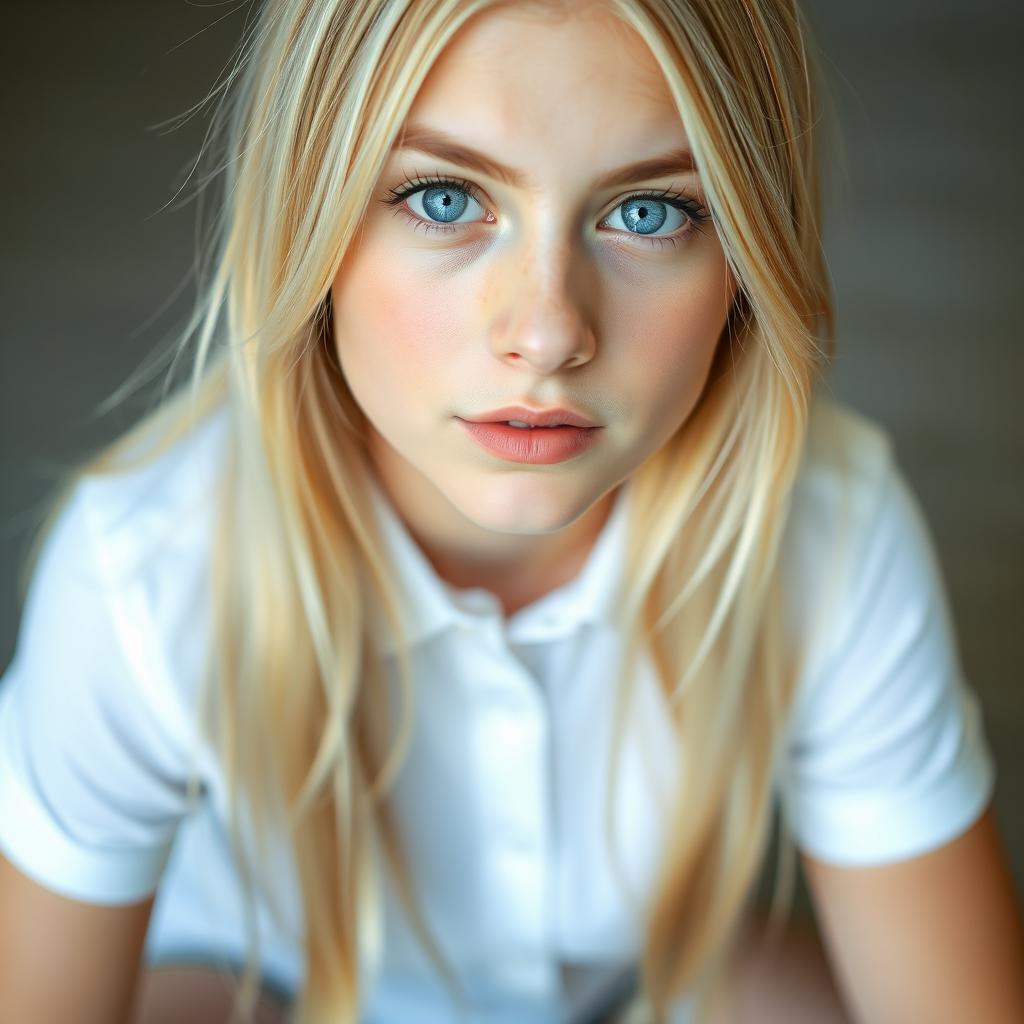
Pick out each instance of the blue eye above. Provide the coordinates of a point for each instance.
(644, 215)
(443, 203)
(444, 200)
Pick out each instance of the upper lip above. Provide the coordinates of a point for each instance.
(536, 417)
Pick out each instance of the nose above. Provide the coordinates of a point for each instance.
(542, 321)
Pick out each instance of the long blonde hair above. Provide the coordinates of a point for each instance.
(298, 575)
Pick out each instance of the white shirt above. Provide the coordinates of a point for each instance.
(500, 799)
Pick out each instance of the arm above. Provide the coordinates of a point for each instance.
(64, 960)
(934, 938)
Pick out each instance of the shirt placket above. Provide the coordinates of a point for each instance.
(513, 761)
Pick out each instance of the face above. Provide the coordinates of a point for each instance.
(558, 285)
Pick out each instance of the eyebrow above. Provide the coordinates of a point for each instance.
(443, 146)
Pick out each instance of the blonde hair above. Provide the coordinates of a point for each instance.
(295, 704)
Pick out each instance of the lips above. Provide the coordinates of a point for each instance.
(541, 446)
(558, 417)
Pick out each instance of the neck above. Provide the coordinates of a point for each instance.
(518, 568)
(526, 571)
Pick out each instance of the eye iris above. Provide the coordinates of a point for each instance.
(444, 204)
(644, 216)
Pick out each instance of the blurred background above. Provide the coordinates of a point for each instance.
(923, 233)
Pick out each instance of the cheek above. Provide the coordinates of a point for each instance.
(689, 329)
(389, 316)
(673, 328)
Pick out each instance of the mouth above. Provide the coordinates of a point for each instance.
(523, 418)
(521, 425)
(532, 444)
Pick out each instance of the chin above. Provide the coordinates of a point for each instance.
(522, 506)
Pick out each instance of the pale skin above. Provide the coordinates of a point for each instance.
(540, 296)
(544, 297)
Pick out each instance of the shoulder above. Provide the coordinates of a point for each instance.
(97, 709)
(848, 473)
(847, 461)
(165, 502)
(151, 523)
(125, 569)
(886, 753)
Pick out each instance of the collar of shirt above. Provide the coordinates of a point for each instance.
(430, 605)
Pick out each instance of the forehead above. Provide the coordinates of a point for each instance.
(569, 82)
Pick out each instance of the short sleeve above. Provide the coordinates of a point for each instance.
(887, 756)
(93, 769)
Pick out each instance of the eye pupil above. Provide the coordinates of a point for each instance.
(445, 204)
(642, 218)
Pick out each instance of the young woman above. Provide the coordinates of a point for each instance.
(443, 650)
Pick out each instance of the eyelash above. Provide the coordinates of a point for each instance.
(698, 216)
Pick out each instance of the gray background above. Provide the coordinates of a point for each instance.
(923, 233)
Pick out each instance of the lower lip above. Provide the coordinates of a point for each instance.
(542, 446)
